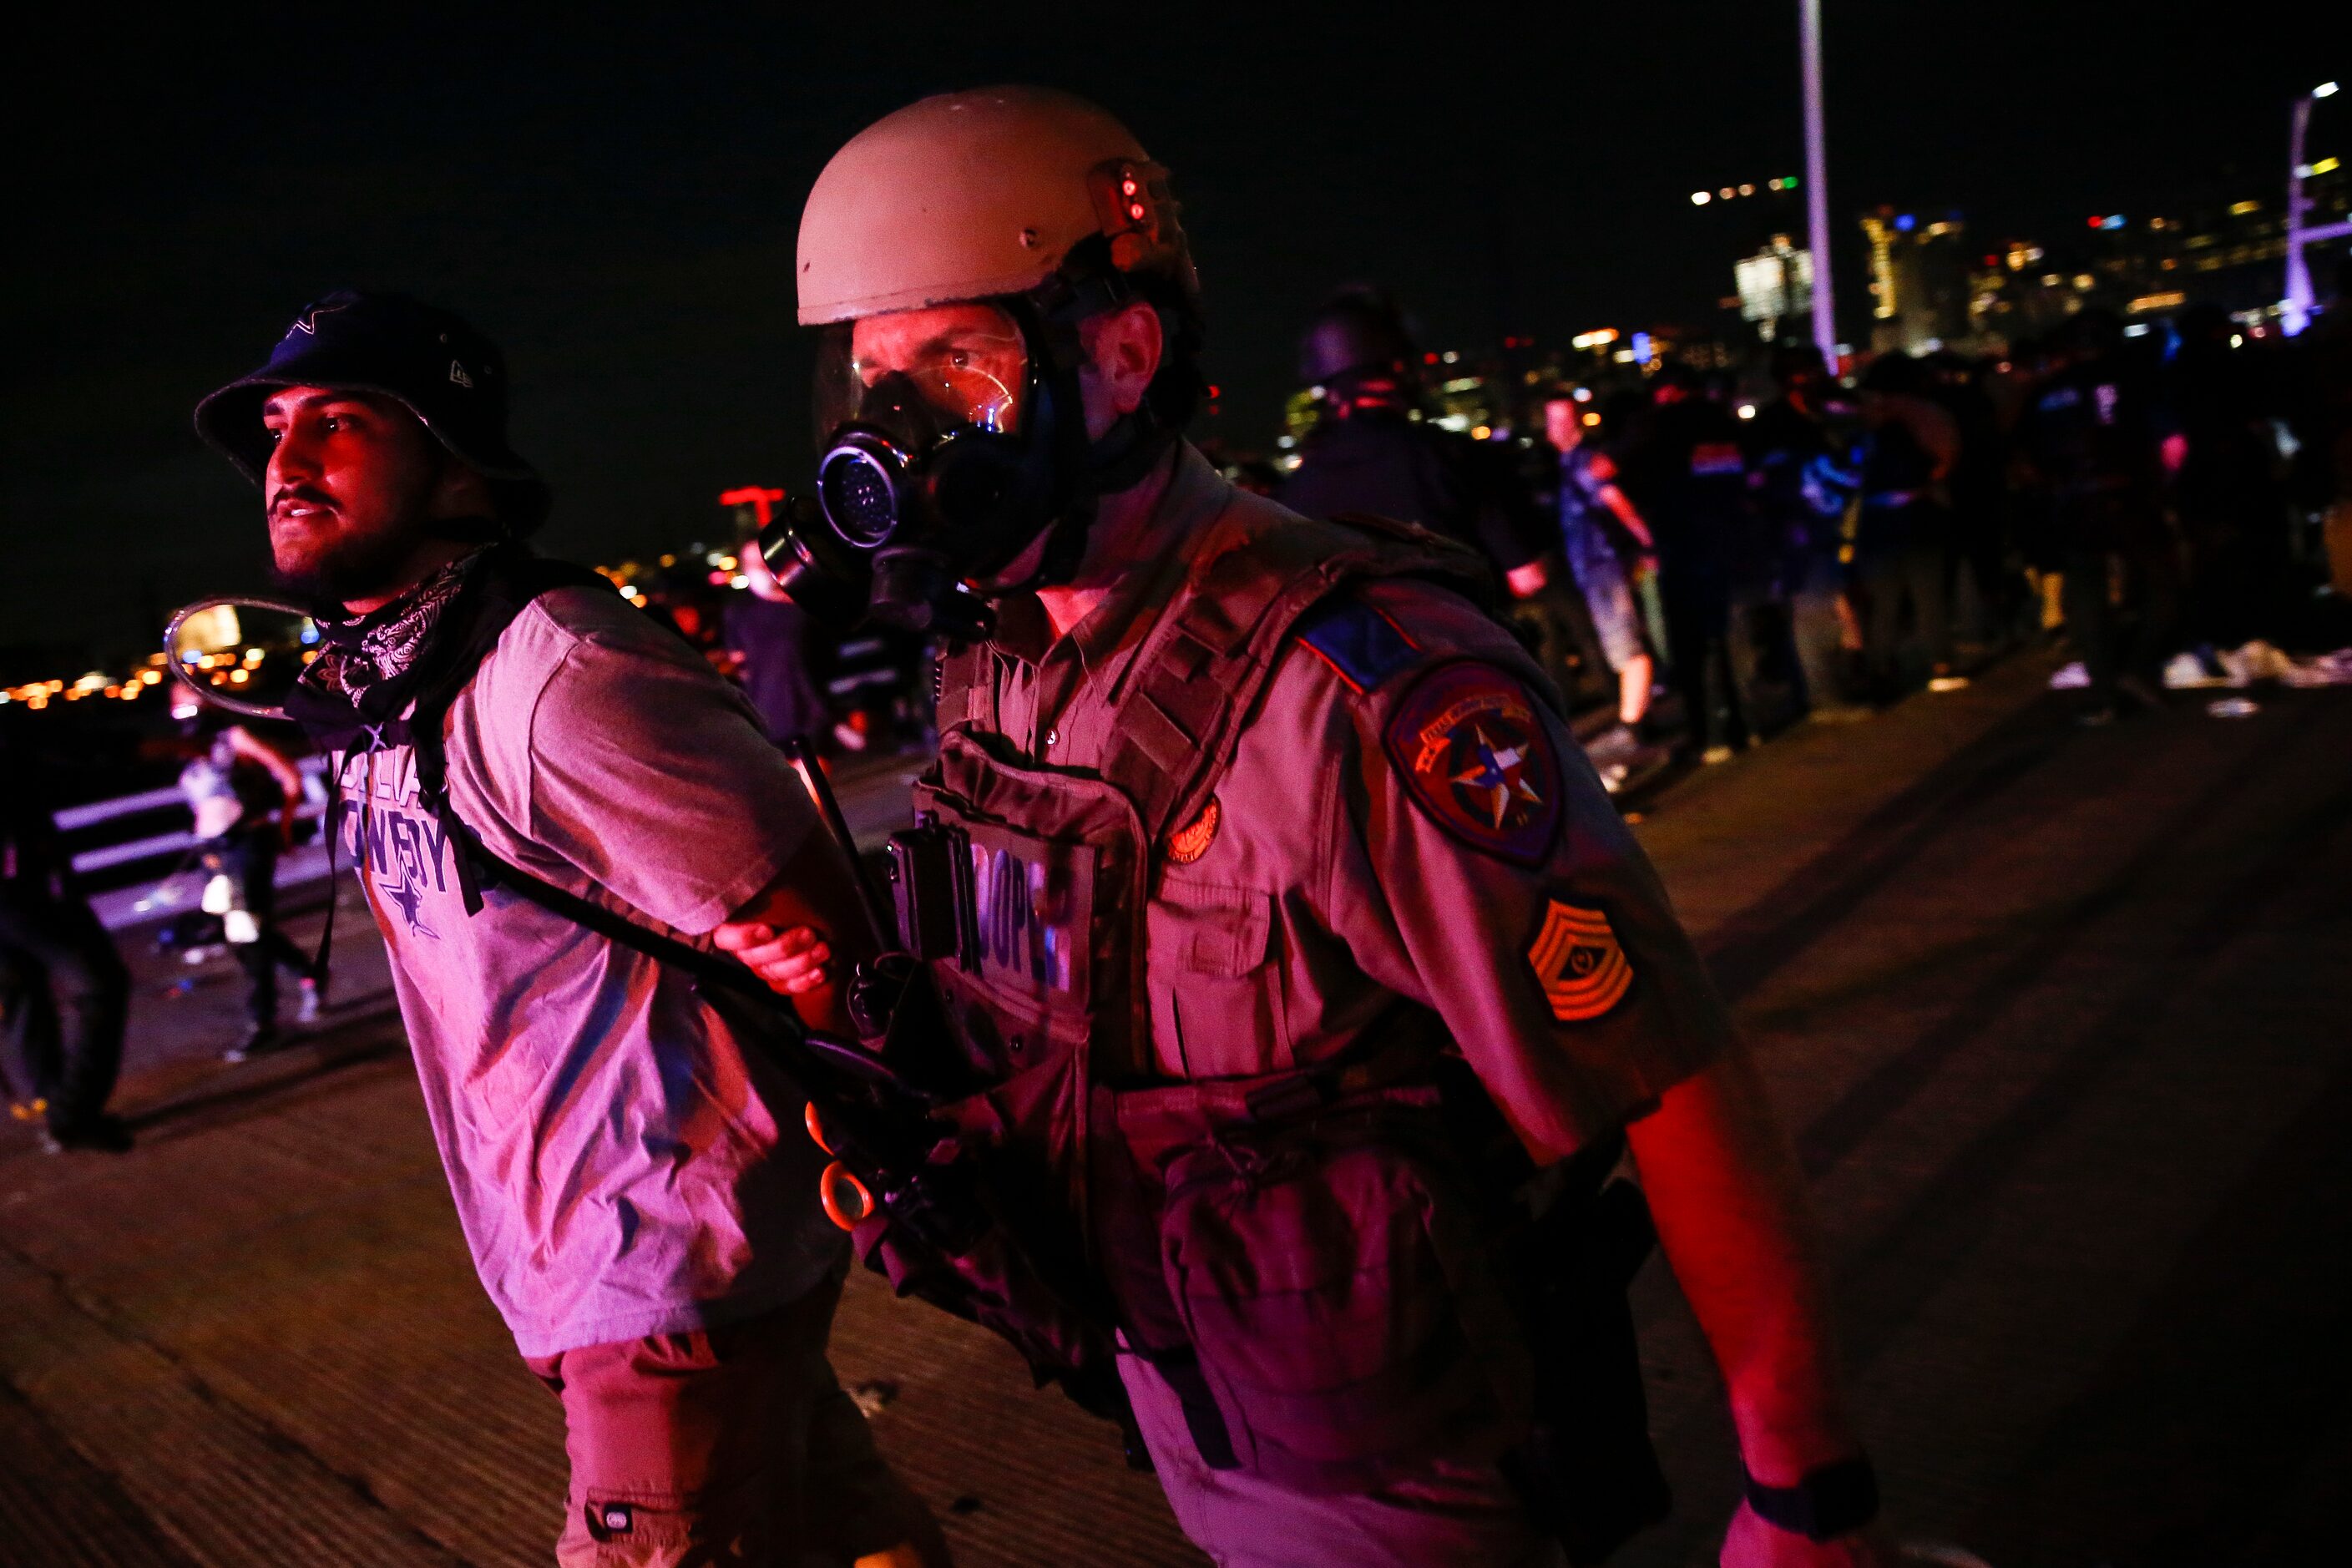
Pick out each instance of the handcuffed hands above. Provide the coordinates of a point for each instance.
(791, 961)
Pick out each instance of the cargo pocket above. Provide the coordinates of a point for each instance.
(1342, 1313)
(1215, 987)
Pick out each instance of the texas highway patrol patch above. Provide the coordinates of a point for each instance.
(1473, 753)
(1578, 963)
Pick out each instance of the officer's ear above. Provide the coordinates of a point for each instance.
(1122, 349)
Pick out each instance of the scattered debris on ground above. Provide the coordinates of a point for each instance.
(873, 1394)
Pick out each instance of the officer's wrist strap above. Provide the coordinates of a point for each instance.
(1831, 1501)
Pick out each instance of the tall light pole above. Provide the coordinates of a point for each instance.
(1817, 180)
(2294, 313)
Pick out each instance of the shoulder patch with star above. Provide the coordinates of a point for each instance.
(1473, 753)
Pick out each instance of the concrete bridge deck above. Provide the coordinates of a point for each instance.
(2062, 1019)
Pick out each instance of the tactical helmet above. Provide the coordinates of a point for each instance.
(1026, 210)
(1358, 333)
(977, 195)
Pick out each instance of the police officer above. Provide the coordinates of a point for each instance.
(1370, 454)
(1294, 931)
(1371, 451)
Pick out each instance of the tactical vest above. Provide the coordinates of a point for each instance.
(1045, 982)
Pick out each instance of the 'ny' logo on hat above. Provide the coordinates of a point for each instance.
(310, 323)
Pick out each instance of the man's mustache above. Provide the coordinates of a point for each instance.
(300, 494)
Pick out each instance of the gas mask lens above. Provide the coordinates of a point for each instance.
(966, 365)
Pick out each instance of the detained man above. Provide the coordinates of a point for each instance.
(627, 1165)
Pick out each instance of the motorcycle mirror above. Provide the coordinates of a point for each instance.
(243, 655)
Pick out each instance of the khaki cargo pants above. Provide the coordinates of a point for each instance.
(726, 1447)
(1448, 1516)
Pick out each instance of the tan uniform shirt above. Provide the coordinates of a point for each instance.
(1402, 836)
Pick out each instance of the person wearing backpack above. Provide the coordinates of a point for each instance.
(629, 1168)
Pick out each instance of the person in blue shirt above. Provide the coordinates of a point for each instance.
(1594, 515)
(1801, 481)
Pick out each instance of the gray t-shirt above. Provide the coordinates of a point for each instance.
(625, 1160)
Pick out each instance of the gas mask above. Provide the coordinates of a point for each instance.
(948, 449)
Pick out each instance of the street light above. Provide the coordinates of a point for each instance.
(2295, 310)
(1817, 179)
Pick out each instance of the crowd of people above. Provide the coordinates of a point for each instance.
(1719, 570)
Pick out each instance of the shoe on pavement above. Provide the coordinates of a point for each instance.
(102, 1134)
(1715, 754)
(261, 1037)
(314, 996)
(1948, 683)
(2188, 672)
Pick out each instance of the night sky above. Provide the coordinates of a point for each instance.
(616, 203)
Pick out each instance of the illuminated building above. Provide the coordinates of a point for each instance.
(1776, 285)
(1919, 283)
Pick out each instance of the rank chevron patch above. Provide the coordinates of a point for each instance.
(1578, 963)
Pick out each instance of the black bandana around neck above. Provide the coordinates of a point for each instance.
(365, 651)
(370, 667)
(420, 651)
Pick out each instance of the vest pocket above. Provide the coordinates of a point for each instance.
(1210, 963)
(1339, 1298)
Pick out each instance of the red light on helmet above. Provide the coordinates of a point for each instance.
(1132, 205)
